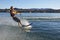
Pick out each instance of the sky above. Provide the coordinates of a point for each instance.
(55, 4)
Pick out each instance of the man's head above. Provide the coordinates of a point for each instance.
(11, 11)
(11, 8)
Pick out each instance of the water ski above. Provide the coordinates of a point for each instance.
(25, 24)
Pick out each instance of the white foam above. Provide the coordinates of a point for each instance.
(26, 22)
(10, 21)
(7, 21)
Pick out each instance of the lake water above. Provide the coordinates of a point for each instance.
(41, 30)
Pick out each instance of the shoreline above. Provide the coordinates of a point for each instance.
(33, 10)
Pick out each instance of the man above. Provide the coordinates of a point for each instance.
(12, 13)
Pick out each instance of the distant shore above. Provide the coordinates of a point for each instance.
(33, 10)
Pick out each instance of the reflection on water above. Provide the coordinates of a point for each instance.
(42, 30)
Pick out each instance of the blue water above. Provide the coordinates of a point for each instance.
(41, 30)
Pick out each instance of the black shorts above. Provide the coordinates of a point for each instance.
(16, 19)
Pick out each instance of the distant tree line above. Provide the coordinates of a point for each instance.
(33, 10)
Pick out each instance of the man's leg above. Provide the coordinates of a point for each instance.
(19, 24)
